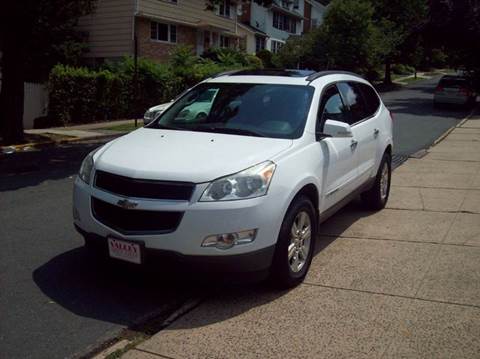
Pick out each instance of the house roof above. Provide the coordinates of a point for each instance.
(318, 3)
(253, 29)
(285, 11)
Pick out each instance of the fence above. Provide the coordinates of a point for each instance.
(35, 103)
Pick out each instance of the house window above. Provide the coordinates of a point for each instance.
(224, 41)
(276, 46)
(284, 22)
(259, 43)
(163, 32)
(296, 4)
(224, 8)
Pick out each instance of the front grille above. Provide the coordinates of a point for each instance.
(133, 221)
(143, 188)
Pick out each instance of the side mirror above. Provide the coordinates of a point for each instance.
(337, 129)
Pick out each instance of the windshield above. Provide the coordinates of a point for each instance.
(263, 110)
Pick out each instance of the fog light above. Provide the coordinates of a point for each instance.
(228, 240)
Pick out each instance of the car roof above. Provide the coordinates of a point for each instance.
(282, 76)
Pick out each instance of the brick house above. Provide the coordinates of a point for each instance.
(153, 27)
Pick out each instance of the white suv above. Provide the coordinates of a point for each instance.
(242, 185)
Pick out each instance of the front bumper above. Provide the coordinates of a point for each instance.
(200, 219)
(253, 262)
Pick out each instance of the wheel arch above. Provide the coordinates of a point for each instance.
(389, 149)
(308, 190)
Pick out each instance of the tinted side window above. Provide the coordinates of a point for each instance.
(372, 101)
(332, 107)
(353, 98)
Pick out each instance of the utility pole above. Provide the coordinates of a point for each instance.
(135, 74)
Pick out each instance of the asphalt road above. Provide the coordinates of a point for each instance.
(417, 124)
(55, 301)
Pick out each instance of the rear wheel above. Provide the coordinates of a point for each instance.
(295, 245)
(376, 198)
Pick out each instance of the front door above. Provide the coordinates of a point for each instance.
(365, 127)
(339, 172)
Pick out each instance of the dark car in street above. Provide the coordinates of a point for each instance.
(456, 90)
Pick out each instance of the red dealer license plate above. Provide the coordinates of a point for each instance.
(123, 250)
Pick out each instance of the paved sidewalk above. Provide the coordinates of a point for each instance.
(403, 282)
(61, 135)
(85, 131)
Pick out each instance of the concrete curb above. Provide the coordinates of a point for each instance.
(447, 132)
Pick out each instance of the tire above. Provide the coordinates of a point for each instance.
(376, 198)
(287, 270)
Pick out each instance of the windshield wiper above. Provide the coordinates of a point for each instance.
(228, 130)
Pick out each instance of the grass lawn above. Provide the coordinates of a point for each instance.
(412, 79)
(127, 127)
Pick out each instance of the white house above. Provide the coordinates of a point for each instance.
(282, 19)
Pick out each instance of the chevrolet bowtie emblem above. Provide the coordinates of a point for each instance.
(126, 204)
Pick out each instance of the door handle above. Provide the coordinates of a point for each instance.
(353, 144)
(376, 132)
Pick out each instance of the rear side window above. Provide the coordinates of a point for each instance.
(372, 102)
(354, 100)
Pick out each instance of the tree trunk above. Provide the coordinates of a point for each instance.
(388, 73)
(12, 93)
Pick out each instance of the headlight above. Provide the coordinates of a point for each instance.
(87, 167)
(250, 183)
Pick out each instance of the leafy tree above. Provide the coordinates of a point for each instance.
(455, 26)
(348, 38)
(298, 52)
(399, 22)
(34, 34)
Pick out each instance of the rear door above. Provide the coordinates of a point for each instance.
(340, 156)
(364, 119)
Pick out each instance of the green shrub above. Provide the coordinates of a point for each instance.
(400, 69)
(72, 94)
(232, 58)
(253, 62)
(80, 94)
(155, 84)
(266, 57)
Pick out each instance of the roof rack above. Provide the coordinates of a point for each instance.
(330, 72)
(224, 73)
(266, 72)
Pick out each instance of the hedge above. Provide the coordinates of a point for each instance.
(80, 95)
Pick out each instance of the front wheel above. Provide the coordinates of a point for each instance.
(376, 198)
(295, 245)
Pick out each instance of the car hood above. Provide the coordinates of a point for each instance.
(185, 155)
(161, 107)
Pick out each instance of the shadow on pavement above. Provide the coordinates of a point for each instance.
(107, 290)
(423, 107)
(23, 169)
(115, 292)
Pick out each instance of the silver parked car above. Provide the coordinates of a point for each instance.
(155, 111)
(454, 90)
